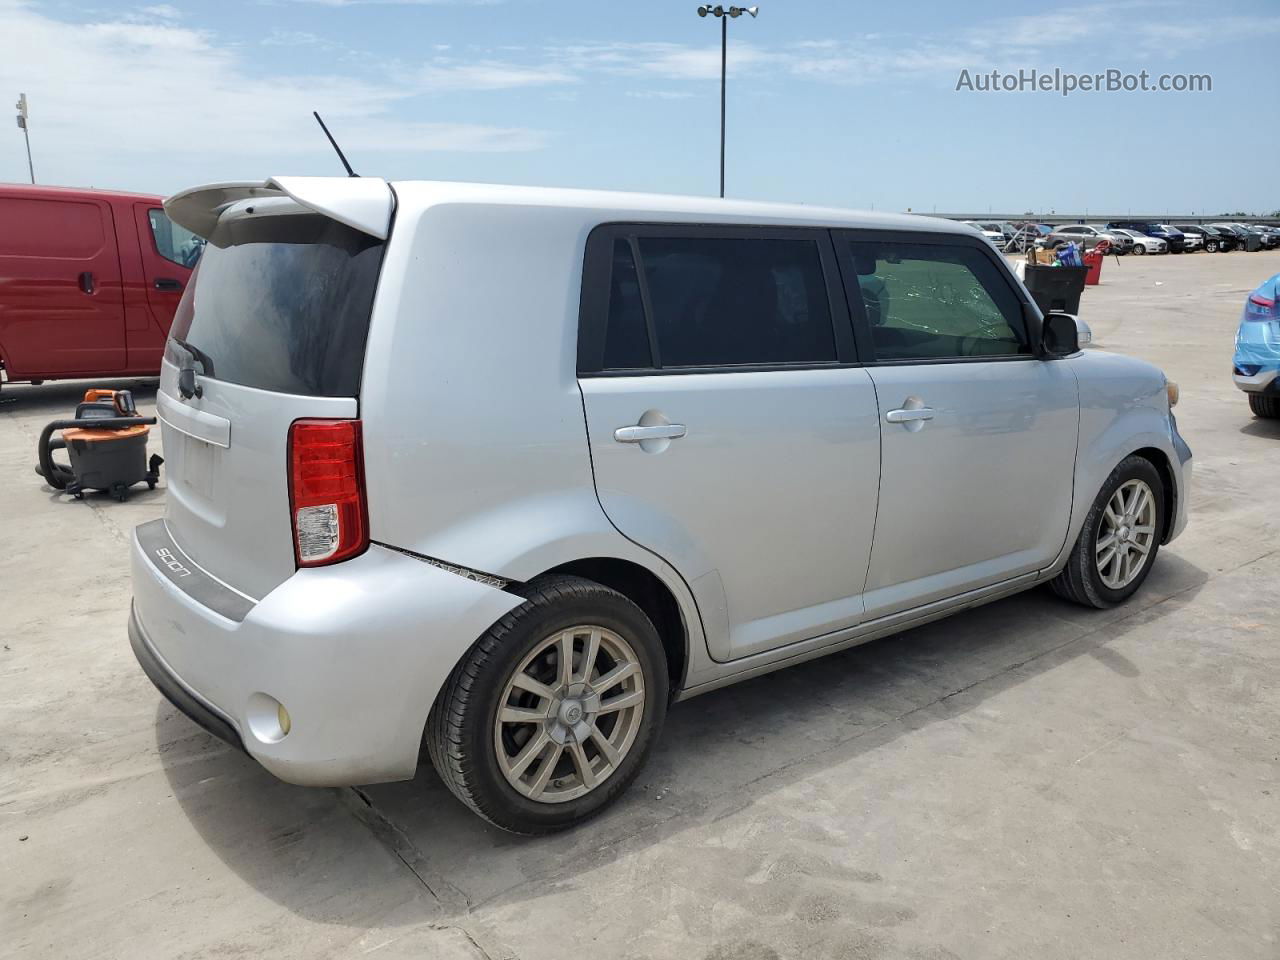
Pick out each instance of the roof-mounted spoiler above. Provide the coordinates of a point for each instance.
(363, 203)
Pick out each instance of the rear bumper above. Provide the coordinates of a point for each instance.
(1263, 381)
(356, 652)
(176, 692)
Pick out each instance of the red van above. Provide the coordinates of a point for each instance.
(89, 281)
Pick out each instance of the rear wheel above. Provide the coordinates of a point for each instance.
(1263, 406)
(550, 716)
(1120, 538)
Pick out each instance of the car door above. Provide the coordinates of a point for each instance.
(978, 436)
(731, 432)
(63, 306)
(169, 253)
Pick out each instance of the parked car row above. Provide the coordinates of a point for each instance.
(1132, 236)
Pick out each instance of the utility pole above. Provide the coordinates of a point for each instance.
(723, 14)
(22, 125)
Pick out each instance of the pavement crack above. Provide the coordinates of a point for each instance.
(390, 834)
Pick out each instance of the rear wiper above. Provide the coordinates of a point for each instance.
(187, 385)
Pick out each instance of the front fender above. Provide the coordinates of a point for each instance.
(1123, 409)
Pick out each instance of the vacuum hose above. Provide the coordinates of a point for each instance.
(57, 475)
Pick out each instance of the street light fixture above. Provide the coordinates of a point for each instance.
(724, 14)
(21, 107)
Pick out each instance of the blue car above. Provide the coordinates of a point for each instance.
(1257, 361)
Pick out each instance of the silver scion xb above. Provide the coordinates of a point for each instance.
(505, 471)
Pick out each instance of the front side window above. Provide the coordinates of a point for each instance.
(176, 244)
(936, 302)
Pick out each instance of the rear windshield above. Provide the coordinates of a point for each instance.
(281, 303)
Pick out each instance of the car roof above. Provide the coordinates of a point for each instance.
(44, 192)
(613, 205)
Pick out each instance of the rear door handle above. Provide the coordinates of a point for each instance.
(167, 283)
(909, 415)
(663, 431)
(86, 282)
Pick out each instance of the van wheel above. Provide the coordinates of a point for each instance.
(1120, 538)
(553, 711)
(1261, 406)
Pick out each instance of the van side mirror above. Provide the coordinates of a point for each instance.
(1059, 336)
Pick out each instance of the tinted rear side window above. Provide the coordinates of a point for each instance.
(729, 302)
(626, 342)
(281, 303)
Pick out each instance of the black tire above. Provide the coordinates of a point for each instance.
(459, 734)
(1211, 246)
(1080, 581)
(1139, 249)
(1263, 406)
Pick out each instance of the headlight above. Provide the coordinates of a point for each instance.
(1171, 389)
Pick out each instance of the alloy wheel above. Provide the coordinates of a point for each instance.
(569, 714)
(1126, 534)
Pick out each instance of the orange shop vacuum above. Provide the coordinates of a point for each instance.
(107, 445)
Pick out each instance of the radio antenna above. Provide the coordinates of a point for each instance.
(337, 149)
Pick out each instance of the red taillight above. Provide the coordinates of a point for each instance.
(1262, 301)
(326, 491)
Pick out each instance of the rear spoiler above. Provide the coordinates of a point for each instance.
(363, 203)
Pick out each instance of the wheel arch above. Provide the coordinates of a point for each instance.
(646, 590)
(1160, 460)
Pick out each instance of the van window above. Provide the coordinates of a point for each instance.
(936, 301)
(174, 243)
(731, 301)
(281, 303)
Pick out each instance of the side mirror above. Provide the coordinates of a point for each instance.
(1059, 336)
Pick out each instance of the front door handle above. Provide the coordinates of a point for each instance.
(167, 283)
(661, 431)
(909, 415)
(85, 280)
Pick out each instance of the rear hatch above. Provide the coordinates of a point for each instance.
(273, 324)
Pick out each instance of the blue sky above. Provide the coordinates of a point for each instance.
(852, 104)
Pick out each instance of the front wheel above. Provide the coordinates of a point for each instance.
(551, 714)
(1211, 246)
(1139, 249)
(1120, 539)
(1268, 407)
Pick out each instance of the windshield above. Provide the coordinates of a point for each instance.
(280, 303)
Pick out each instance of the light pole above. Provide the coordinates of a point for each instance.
(724, 13)
(22, 125)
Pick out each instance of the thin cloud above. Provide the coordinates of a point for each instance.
(98, 89)
(489, 75)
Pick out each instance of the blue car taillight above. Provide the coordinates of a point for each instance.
(1259, 308)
